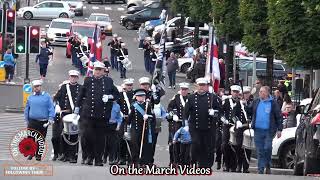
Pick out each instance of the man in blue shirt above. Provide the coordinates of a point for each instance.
(266, 122)
(38, 111)
(182, 141)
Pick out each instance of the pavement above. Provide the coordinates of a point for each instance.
(10, 123)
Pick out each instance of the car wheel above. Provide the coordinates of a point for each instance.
(129, 25)
(310, 166)
(63, 15)
(287, 156)
(185, 67)
(28, 15)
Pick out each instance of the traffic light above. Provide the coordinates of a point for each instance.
(34, 39)
(1, 18)
(10, 21)
(20, 40)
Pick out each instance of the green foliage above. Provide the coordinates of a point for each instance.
(180, 7)
(294, 31)
(226, 19)
(200, 10)
(253, 16)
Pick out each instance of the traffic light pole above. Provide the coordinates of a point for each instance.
(27, 80)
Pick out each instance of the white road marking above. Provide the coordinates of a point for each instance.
(95, 7)
(108, 8)
(120, 9)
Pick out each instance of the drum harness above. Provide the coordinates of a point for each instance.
(72, 106)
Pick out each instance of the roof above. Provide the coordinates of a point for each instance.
(98, 14)
(82, 23)
(62, 20)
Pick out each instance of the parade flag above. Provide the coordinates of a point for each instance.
(212, 64)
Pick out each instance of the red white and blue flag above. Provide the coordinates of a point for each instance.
(212, 64)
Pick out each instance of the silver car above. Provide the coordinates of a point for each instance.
(58, 31)
(76, 5)
(103, 20)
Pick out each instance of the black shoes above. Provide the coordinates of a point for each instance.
(89, 161)
(122, 162)
(55, 157)
(268, 170)
(98, 163)
(38, 158)
(73, 160)
(30, 157)
(113, 163)
(218, 166)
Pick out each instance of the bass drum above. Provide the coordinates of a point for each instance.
(248, 139)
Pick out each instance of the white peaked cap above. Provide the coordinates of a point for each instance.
(128, 81)
(98, 64)
(184, 85)
(202, 81)
(235, 88)
(74, 73)
(123, 44)
(246, 89)
(115, 35)
(144, 80)
(37, 83)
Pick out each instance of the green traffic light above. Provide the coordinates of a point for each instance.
(20, 48)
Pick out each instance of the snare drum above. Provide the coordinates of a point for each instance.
(248, 139)
(69, 127)
(232, 139)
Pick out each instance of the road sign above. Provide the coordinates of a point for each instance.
(27, 90)
(2, 71)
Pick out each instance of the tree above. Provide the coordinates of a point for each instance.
(253, 16)
(199, 11)
(180, 7)
(294, 31)
(227, 24)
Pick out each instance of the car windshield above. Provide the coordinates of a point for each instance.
(60, 25)
(99, 18)
(84, 31)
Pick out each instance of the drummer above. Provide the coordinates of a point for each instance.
(66, 97)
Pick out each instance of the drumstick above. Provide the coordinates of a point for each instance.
(143, 130)
(46, 124)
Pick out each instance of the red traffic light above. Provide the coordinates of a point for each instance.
(34, 32)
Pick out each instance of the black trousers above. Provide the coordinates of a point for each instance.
(184, 153)
(218, 146)
(147, 149)
(94, 135)
(56, 139)
(38, 126)
(154, 144)
(9, 71)
(243, 158)
(176, 153)
(229, 156)
(111, 143)
(202, 147)
(43, 69)
(70, 150)
(171, 153)
(84, 147)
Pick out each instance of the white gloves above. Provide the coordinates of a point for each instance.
(76, 110)
(239, 124)
(51, 121)
(250, 125)
(57, 109)
(105, 98)
(145, 117)
(153, 88)
(224, 120)
(175, 118)
(213, 112)
(118, 127)
(126, 135)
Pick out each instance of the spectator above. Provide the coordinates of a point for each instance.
(278, 98)
(266, 123)
(9, 64)
(142, 35)
(255, 91)
(189, 51)
(43, 59)
(282, 88)
(286, 100)
(290, 116)
(172, 66)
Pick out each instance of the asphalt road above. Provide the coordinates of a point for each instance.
(57, 73)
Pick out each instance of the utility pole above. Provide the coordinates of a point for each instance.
(27, 80)
(4, 19)
(254, 67)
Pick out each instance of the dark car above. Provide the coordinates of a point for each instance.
(133, 21)
(307, 151)
(152, 5)
(105, 1)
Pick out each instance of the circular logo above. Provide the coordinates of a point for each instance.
(28, 146)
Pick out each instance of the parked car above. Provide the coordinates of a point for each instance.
(139, 3)
(151, 5)
(76, 5)
(86, 29)
(57, 31)
(104, 1)
(47, 10)
(307, 149)
(103, 20)
(149, 25)
(133, 21)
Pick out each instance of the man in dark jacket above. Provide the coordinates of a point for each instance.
(266, 123)
(122, 55)
(43, 59)
(114, 48)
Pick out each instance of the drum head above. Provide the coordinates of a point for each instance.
(70, 118)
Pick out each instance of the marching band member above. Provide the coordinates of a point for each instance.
(95, 98)
(122, 54)
(175, 118)
(114, 48)
(201, 113)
